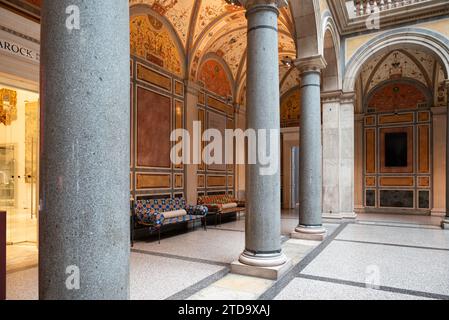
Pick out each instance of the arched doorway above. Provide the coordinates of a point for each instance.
(397, 147)
(399, 82)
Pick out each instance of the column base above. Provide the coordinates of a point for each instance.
(257, 266)
(438, 212)
(349, 215)
(336, 216)
(309, 233)
(445, 224)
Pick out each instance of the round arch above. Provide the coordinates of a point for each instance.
(426, 40)
(332, 79)
(307, 15)
(214, 57)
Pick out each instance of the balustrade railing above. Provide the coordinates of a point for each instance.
(366, 7)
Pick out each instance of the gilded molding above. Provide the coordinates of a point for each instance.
(8, 106)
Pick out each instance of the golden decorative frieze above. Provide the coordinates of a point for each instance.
(8, 106)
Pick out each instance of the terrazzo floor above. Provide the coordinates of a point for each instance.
(386, 257)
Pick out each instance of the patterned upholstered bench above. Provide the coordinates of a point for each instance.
(156, 213)
(222, 204)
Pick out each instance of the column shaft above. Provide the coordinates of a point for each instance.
(347, 156)
(331, 155)
(84, 201)
(310, 159)
(263, 231)
(445, 223)
(191, 168)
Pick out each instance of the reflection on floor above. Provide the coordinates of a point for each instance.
(21, 256)
(358, 260)
(21, 227)
(21, 252)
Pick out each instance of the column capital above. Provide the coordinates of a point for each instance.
(310, 64)
(436, 111)
(249, 4)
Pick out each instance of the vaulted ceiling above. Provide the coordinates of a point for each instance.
(214, 28)
(404, 63)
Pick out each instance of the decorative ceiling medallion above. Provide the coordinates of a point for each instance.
(8, 106)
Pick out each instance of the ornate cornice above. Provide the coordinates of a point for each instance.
(338, 96)
(331, 96)
(348, 97)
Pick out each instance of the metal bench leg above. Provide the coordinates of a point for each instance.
(159, 234)
(132, 231)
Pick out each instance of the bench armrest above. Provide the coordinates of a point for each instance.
(149, 219)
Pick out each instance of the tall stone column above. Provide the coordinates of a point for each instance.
(191, 116)
(445, 222)
(331, 154)
(84, 241)
(439, 119)
(310, 158)
(240, 123)
(347, 155)
(263, 201)
(338, 155)
(358, 163)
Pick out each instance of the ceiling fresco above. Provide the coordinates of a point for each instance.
(214, 78)
(399, 64)
(207, 27)
(406, 64)
(151, 40)
(177, 12)
(202, 27)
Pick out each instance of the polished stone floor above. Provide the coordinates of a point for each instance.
(373, 257)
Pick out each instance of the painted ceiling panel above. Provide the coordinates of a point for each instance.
(291, 81)
(178, 12)
(209, 11)
(411, 64)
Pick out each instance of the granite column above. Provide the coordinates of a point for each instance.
(84, 242)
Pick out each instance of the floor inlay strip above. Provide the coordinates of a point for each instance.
(392, 245)
(381, 288)
(397, 225)
(279, 285)
(172, 256)
(197, 287)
